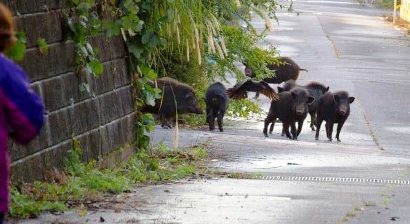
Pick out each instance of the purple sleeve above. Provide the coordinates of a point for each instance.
(24, 111)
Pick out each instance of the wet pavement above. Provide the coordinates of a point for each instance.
(363, 179)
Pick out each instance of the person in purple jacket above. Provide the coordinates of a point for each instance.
(21, 110)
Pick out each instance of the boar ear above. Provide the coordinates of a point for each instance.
(327, 89)
(293, 95)
(336, 98)
(280, 89)
(351, 99)
(310, 99)
(188, 95)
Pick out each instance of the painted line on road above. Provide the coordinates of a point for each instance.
(336, 179)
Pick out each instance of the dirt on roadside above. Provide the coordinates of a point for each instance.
(400, 23)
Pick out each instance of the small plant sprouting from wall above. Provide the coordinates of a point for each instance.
(42, 46)
(18, 51)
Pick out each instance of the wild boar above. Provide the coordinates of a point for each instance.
(287, 70)
(291, 107)
(176, 98)
(217, 101)
(315, 89)
(334, 108)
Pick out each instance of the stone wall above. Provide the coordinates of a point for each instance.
(100, 117)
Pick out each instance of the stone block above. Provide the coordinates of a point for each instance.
(59, 60)
(90, 145)
(111, 137)
(109, 48)
(121, 75)
(39, 143)
(38, 166)
(125, 97)
(34, 6)
(61, 125)
(85, 116)
(110, 107)
(55, 94)
(78, 85)
(42, 25)
(105, 82)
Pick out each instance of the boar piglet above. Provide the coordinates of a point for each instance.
(315, 89)
(334, 108)
(291, 107)
(176, 98)
(216, 104)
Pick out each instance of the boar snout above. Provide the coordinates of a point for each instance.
(342, 110)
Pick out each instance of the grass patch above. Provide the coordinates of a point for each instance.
(385, 4)
(236, 175)
(81, 183)
(24, 206)
(193, 120)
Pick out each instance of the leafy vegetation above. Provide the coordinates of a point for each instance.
(243, 108)
(83, 24)
(80, 183)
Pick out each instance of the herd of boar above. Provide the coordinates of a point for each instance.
(290, 105)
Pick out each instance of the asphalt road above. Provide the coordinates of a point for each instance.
(363, 179)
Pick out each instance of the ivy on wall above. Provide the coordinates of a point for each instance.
(84, 24)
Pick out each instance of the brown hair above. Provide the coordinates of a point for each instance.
(7, 28)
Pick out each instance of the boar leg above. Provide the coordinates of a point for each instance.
(164, 122)
(300, 125)
(329, 128)
(207, 114)
(285, 126)
(283, 131)
(268, 120)
(211, 120)
(339, 128)
(220, 120)
(312, 120)
(293, 130)
(272, 125)
(318, 124)
(256, 95)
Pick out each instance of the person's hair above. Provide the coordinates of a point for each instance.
(7, 28)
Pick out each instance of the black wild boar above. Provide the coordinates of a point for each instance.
(292, 107)
(217, 101)
(334, 108)
(176, 98)
(287, 70)
(315, 89)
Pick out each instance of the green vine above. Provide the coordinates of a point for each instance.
(141, 42)
(83, 25)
